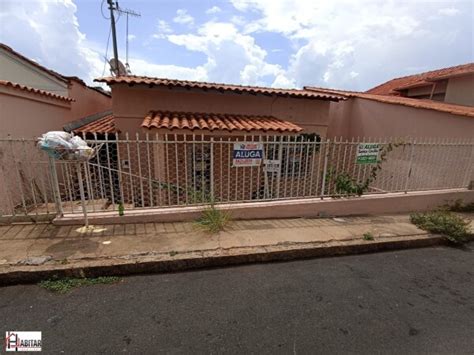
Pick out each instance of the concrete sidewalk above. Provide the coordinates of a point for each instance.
(29, 248)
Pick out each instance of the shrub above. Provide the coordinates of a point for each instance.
(443, 222)
(213, 220)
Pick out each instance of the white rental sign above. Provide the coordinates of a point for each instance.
(247, 154)
(271, 166)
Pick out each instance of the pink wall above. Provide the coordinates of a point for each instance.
(362, 117)
(25, 115)
(131, 104)
(87, 101)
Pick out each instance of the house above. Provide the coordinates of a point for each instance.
(196, 121)
(453, 85)
(436, 104)
(35, 99)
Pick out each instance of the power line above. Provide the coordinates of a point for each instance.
(106, 59)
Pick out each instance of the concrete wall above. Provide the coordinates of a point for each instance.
(460, 90)
(87, 101)
(359, 117)
(309, 208)
(131, 104)
(15, 70)
(26, 115)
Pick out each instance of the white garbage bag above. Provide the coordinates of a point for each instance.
(65, 146)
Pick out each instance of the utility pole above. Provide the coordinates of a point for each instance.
(114, 35)
(118, 68)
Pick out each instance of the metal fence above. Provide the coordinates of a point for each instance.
(181, 170)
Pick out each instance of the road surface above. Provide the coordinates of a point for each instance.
(411, 301)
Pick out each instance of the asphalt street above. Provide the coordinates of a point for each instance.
(412, 302)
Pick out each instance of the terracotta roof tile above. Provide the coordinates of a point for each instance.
(32, 62)
(405, 101)
(391, 87)
(217, 121)
(143, 80)
(103, 125)
(100, 123)
(34, 91)
(51, 72)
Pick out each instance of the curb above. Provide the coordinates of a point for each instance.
(206, 259)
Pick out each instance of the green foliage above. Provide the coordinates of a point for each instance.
(450, 225)
(459, 206)
(368, 236)
(67, 284)
(213, 220)
(173, 253)
(345, 184)
(121, 209)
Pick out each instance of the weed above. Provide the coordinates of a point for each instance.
(173, 253)
(213, 220)
(368, 236)
(67, 284)
(459, 206)
(121, 209)
(451, 226)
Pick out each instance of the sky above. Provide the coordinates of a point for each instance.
(340, 44)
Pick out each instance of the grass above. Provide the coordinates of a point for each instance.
(67, 284)
(368, 236)
(213, 220)
(451, 226)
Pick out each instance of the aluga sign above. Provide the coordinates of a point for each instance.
(247, 154)
(367, 153)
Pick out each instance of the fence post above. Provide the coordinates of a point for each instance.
(212, 169)
(83, 197)
(410, 164)
(325, 168)
(56, 193)
(469, 169)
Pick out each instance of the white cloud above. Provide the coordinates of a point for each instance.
(163, 29)
(183, 18)
(449, 11)
(332, 40)
(213, 10)
(143, 67)
(232, 57)
(131, 37)
(33, 28)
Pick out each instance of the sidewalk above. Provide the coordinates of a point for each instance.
(46, 248)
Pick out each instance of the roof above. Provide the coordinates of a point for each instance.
(405, 101)
(63, 78)
(34, 91)
(239, 89)
(217, 121)
(100, 123)
(392, 87)
(35, 64)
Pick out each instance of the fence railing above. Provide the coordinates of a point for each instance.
(181, 170)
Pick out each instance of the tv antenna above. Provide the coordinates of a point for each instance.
(116, 67)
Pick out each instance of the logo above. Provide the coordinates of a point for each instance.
(22, 341)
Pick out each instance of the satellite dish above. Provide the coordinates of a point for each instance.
(117, 70)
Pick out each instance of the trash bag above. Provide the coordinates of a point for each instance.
(65, 146)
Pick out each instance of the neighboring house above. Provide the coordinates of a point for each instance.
(34, 99)
(453, 85)
(400, 108)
